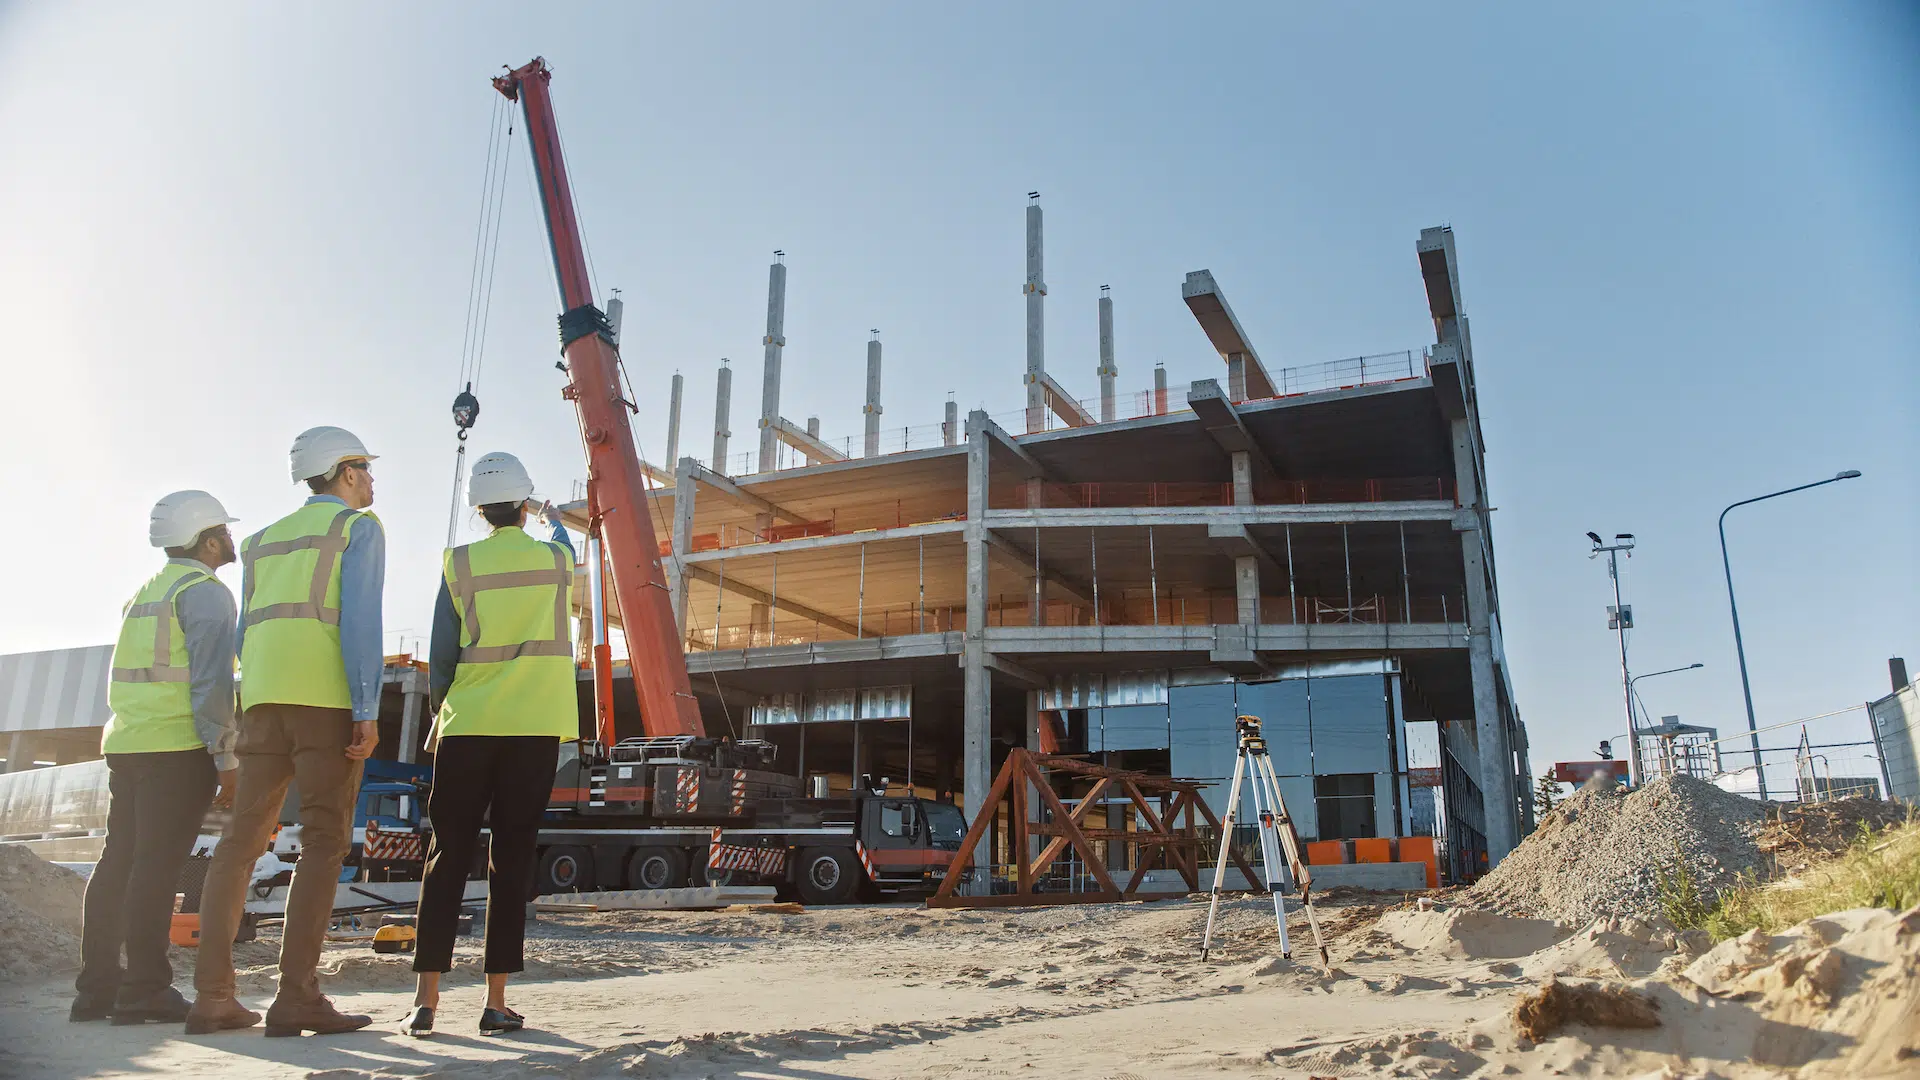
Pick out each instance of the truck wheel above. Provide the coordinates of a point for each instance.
(657, 868)
(826, 875)
(563, 869)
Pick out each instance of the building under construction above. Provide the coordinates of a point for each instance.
(1120, 577)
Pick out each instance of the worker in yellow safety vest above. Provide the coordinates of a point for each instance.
(168, 744)
(310, 668)
(501, 669)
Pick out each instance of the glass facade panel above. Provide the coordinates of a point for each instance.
(1282, 709)
(1128, 727)
(1345, 806)
(1350, 725)
(1203, 743)
(1298, 792)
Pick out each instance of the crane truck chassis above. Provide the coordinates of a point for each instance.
(672, 811)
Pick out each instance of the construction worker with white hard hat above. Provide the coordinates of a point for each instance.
(501, 678)
(169, 746)
(310, 667)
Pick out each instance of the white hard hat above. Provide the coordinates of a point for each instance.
(180, 517)
(317, 450)
(499, 478)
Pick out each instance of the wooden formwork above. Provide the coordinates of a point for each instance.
(1164, 841)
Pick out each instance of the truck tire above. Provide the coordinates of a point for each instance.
(657, 868)
(826, 875)
(563, 868)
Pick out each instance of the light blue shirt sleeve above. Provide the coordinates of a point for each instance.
(363, 577)
(560, 537)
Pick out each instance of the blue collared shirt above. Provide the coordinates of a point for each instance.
(363, 577)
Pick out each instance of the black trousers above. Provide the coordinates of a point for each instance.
(156, 803)
(501, 782)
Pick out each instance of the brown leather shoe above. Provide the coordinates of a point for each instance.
(219, 1014)
(287, 1019)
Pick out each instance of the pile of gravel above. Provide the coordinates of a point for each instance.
(1600, 853)
(39, 915)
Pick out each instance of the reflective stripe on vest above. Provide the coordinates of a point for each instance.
(149, 688)
(466, 586)
(330, 545)
(164, 620)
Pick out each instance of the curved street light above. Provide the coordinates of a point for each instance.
(1739, 647)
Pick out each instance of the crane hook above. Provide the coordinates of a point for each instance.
(466, 409)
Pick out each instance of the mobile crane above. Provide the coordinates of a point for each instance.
(677, 807)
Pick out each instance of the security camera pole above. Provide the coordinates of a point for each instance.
(1620, 618)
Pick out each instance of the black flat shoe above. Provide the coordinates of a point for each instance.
(86, 1010)
(497, 1022)
(166, 1007)
(420, 1024)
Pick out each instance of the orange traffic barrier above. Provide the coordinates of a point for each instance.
(1420, 849)
(1326, 852)
(1373, 850)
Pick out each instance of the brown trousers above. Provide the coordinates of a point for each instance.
(279, 744)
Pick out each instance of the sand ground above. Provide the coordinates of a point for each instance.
(1092, 991)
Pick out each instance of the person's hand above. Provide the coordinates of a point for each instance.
(366, 736)
(548, 512)
(229, 779)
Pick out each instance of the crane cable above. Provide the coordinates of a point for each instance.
(480, 277)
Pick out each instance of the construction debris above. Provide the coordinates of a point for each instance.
(1807, 832)
(1603, 853)
(1556, 1004)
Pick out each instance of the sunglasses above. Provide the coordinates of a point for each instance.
(363, 466)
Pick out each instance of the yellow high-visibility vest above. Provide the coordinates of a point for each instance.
(149, 689)
(516, 674)
(291, 610)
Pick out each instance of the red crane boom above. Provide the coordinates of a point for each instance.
(616, 487)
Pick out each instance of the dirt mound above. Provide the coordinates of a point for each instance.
(39, 915)
(1601, 853)
(1469, 934)
(1809, 832)
(1556, 1004)
(1611, 948)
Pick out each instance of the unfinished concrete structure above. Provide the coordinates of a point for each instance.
(1309, 544)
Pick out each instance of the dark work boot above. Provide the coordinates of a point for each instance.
(168, 1006)
(287, 1019)
(87, 1008)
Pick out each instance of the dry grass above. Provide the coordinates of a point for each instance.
(1540, 1013)
(1879, 869)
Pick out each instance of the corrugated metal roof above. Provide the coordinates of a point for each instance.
(59, 688)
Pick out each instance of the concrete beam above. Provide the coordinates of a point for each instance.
(1030, 468)
(758, 596)
(813, 543)
(1223, 423)
(1081, 517)
(1266, 639)
(1216, 318)
(852, 651)
(1021, 563)
(1061, 403)
(1237, 542)
(802, 440)
(1029, 679)
(658, 475)
(741, 495)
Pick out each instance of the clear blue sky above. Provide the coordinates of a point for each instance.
(1687, 236)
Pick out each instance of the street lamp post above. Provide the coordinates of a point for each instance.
(1620, 618)
(1649, 675)
(1739, 647)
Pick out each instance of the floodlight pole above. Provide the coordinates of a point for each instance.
(1612, 552)
(1739, 647)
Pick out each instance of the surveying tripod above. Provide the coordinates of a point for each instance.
(1276, 836)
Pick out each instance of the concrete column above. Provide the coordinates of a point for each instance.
(1524, 778)
(1107, 369)
(673, 418)
(872, 409)
(722, 405)
(1033, 793)
(775, 341)
(1496, 759)
(685, 495)
(1159, 390)
(413, 698)
(977, 724)
(1242, 478)
(20, 752)
(813, 426)
(1236, 376)
(950, 426)
(858, 766)
(1246, 588)
(1036, 292)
